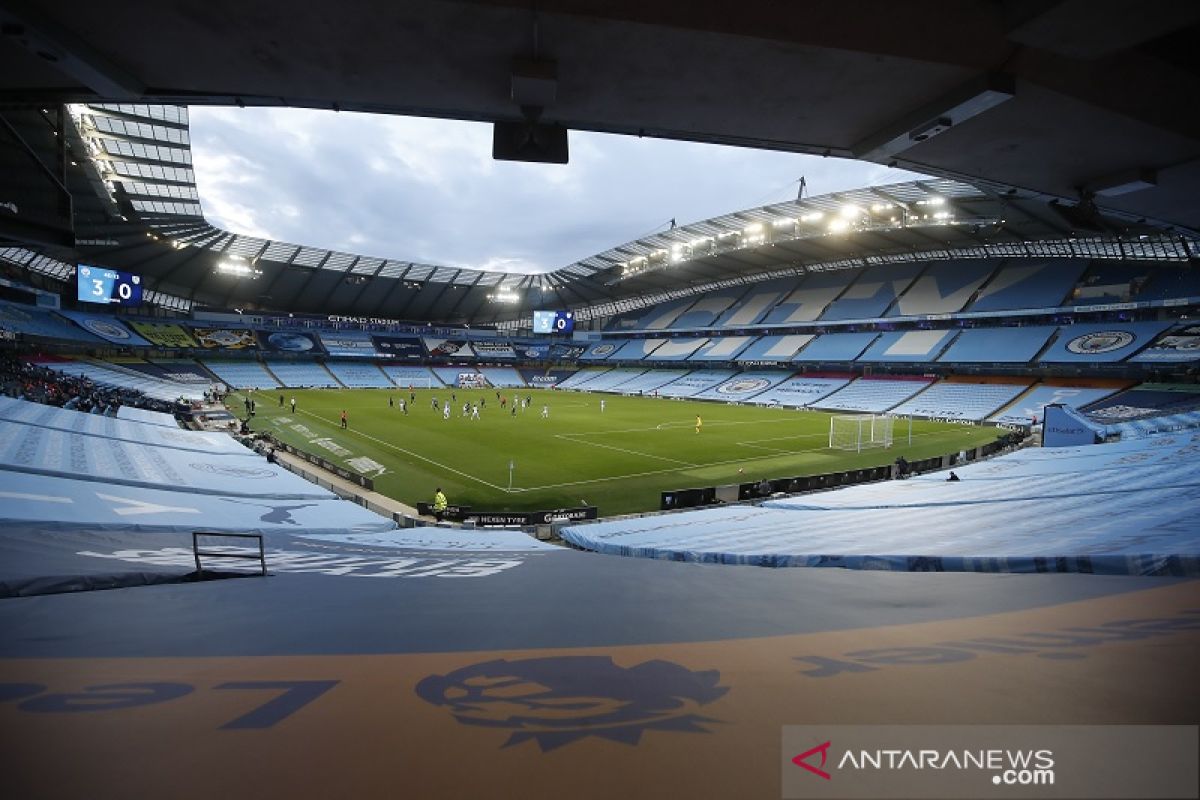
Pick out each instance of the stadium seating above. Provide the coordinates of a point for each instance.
(582, 377)
(494, 350)
(458, 376)
(359, 374)
(613, 380)
(32, 321)
(960, 400)
(106, 326)
(1029, 284)
(1028, 407)
(800, 391)
(119, 475)
(1097, 342)
(148, 417)
(1145, 401)
(1168, 282)
(241, 374)
(406, 376)
(775, 348)
(1178, 345)
(944, 288)
(836, 347)
(636, 349)
(183, 370)
(1141, 428)
(302, 374)
(545, 378)
(348, 343)
(998, 345)
(118, 378)
(874, 291)
(1110, 282)
(677, 349)
(696, 382)
(503, 376)
(624, 322)
(650, 380)
(705, 311)
(662, 315)
(600, 351)
(745, 386)
(806, 302)
(722, 348)
(908, 346)
(756, 303)
(143, 367)
(874, 395)
(1060, 509)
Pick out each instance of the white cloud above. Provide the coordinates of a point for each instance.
(428, 190)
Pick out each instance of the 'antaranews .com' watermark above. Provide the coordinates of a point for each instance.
(985, 761)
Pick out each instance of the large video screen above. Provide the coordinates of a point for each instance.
(553, 322)
(108, 286)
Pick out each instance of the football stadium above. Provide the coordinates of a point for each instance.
(889, 491)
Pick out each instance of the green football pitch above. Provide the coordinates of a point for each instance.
(619, 459)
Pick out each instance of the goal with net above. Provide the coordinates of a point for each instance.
(413, 380)
(859, 432)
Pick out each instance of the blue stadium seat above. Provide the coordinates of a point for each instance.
(301, 374)
(241, 374)
(998, 345)
(359, 375)
(874, 291)
(873, 395)
(1022, 283)
(960, 400)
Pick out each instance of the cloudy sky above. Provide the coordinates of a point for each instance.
(428, 190)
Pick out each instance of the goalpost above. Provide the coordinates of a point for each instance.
(858, 432)
(416, 383)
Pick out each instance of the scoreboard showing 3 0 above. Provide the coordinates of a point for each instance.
(109, 286)
(553, 322)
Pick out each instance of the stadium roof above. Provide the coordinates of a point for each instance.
(1023, 108)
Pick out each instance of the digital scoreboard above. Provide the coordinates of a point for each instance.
(553, 322)
(108, 286)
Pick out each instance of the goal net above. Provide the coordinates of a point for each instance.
(406, 382)
(859, 432)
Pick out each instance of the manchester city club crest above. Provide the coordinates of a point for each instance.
(105, 329)
(1100, 342)
(743, 386)
(557, 701)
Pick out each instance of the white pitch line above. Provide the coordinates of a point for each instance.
(570, 438)
(641, 474)
(684, 424)
(764, 447)
(665, 471)
(751, 442)
(411, 453)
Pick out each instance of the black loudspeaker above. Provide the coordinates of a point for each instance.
(525, 141)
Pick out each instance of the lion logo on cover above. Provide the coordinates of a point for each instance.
(557, 701)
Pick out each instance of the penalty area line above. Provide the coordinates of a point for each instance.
(437, 464)
(570, 437)
(643, 474)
